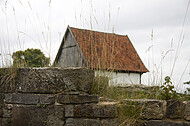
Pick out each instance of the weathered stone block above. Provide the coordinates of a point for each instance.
(148, 108)
(46, 99)
(175, 109)
(7, 113)
(104, 111)
(77, 99)
(2, 97)
(69, 111)
(45, 80)
(82, 122)
(15, 98)
(1, 104)
(153, 110)
(38, 116)
(187, 111)
(53, 80)
(54, 121)
(56, 118)
(165, 123)
(1, 121)
(1, 111)
(109, 122)
(5, 122)
(91, 111)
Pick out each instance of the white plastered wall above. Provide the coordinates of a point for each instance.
(122, 79)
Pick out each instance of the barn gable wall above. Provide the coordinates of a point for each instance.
(70, 55)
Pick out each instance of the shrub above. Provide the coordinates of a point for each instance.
(167, 90)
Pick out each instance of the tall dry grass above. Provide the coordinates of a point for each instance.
(43, 39)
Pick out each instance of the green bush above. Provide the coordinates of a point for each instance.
(30, 58)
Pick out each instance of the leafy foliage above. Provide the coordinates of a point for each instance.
(168, 91)
(188, 89)
(30, 58)
(18, 58)
(187, 82)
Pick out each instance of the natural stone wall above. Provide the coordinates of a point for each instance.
(45, 80)
(61, 97)
(162, 113)
(50, 97)
(166, 123)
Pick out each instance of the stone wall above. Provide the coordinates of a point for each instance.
(162, 113)
(50, 96)
(61, 97)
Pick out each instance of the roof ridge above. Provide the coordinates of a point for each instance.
(99, 31)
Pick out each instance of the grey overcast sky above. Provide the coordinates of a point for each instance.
(155, 27)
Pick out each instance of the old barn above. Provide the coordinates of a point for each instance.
(101, 51)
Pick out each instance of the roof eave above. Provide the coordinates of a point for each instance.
(124, 71)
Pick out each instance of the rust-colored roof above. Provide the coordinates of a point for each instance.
(108, 51)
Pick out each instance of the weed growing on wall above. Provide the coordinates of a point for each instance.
(128, 114)
(188, 89)
(168, 91)
(7, 77)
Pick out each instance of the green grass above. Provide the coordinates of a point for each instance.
(129, 113)
(101, 87)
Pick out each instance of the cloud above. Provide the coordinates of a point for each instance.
(152, 14)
